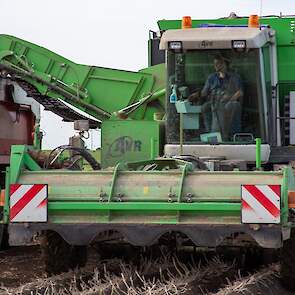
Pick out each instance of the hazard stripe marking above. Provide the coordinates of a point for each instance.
(43, 203)
(260, 203)
(31, 211)
(14, 187)
(262, 215)
(263, 200)
(28, 203)
(26, 198)
(18, 193)
(276, 189)
(270, 194)
(246, 206)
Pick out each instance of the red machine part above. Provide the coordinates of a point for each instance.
(16, 122)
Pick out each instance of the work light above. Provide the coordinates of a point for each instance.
(239, 44)
(175, 45)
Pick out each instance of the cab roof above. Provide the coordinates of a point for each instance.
(216, 37)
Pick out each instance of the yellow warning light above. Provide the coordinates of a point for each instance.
(186, 22)
(253, 21)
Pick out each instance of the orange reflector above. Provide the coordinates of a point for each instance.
(291, 201)
(2, 197)
(253, 21)
(186, 22)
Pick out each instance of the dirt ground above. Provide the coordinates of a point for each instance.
(22, 266)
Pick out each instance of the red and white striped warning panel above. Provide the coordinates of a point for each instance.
(261, 203)
(28, 203)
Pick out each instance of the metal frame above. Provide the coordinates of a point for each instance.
(275, 90)
(204, 235)
(264, 96)
(172, 209)
(19, 160)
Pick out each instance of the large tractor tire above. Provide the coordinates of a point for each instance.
(59, 256)
(288, 263)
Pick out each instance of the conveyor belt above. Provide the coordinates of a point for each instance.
(56, 106)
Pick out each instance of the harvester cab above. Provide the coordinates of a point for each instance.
(221, 91)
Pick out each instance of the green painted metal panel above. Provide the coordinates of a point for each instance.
(177, 196)
(129, 141)
(152, 213)
(97, 91)
(209, 206)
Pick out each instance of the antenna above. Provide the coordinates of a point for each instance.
(261, 7)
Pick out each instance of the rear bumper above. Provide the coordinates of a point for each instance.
(203, 235)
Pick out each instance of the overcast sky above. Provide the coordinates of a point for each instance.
(111, 33)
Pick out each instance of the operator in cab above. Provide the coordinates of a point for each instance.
(221, 96)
